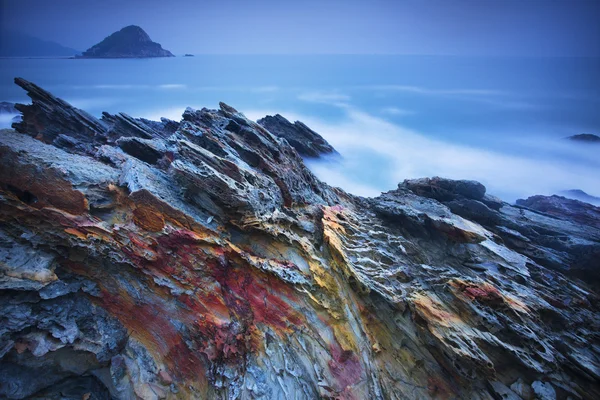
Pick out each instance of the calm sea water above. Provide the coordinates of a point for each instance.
(498, 120)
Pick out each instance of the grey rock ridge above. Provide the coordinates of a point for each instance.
(130, 42)
(307, 142)
(201, 259)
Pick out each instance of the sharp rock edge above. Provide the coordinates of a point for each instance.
(202, 259)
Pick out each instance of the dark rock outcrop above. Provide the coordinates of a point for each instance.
(558, 233)
(209, 262)
(306, 141)
(567, 209)
(129, 42)
(55, 121)
(585, 138)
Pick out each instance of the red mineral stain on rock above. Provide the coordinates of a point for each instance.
(163, 339)
(265, 297)
(344, 366)
(438, 389)
(479, 291)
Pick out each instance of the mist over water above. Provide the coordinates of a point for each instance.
(501, 121)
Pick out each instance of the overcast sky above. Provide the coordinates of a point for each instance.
(460, 27)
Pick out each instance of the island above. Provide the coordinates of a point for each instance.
(188, 55)
(130, 42)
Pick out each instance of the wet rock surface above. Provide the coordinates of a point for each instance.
(202, 259)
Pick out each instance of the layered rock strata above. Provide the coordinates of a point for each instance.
(202, 259)
(307, 142)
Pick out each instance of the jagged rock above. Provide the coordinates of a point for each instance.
(561, 207)
(555, 232)
(306, 141)
(49, 118)
(543, 390)
(149, 151)
(522, 389)
(202, 259)
(503, 392)
(443, 189)
(129, 42)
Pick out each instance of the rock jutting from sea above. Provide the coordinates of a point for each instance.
(201, 258)
(130, 42)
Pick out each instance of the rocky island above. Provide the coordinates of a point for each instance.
(129, 42)
(202, 259)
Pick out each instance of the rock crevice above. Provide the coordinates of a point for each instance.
(203, 259)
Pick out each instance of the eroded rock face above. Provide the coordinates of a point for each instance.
(202, 259)
(306, 141)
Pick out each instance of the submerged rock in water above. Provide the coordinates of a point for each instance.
(130, 42)
(202, 259)
(306, 141)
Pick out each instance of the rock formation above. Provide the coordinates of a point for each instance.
(129, 42)
(306, 141)
(202, 259)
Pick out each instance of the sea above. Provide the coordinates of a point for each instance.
(498, 120)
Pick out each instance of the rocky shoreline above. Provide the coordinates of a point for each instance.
(202, 259)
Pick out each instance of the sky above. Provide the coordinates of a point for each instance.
(457, 27)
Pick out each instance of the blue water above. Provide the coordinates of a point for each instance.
(497, 120)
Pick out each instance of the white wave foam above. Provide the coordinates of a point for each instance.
(377, 155)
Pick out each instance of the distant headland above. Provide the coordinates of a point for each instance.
(130, 42)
